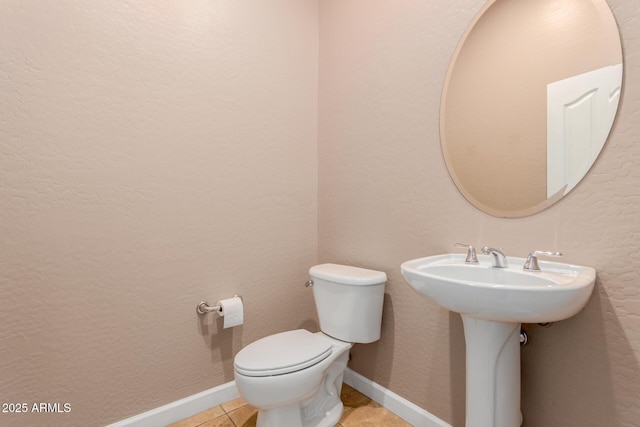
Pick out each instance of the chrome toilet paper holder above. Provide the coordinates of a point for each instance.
(204, 307)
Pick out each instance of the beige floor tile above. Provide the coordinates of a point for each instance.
(352, 398)
(222, 421)
(371, 414)
(245, 416)
(200, 418)
(234, 404)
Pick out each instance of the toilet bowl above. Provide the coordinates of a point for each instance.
(294, 378)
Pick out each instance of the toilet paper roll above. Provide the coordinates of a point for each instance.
(232, 311)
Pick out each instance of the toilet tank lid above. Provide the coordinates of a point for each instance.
(347, 274)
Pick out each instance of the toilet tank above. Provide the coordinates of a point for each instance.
(349, 301)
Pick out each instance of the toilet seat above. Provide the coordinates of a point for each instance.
(282, 353)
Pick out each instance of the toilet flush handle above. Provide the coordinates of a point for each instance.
(308, 283)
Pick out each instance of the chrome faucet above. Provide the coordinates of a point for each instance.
(531, 264)
(498, 258)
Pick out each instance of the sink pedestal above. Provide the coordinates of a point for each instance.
(493, 373)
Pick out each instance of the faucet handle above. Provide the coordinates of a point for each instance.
(472, 258)
(532, 260)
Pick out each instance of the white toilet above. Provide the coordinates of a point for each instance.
(294, 378)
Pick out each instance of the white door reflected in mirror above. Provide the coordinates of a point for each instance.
(580, 113)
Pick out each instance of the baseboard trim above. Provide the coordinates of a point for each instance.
(183, 408)
(400, 406)
(191, 405)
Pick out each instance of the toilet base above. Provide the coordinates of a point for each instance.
(292, 416)
(331, 418)
(322, 409)
(284, 416)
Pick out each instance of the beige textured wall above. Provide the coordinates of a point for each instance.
(386, 197)
(153, 154)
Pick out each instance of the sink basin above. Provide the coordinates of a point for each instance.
(493, 302)
(502, 294)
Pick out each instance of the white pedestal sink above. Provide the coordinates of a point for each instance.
(493, 302)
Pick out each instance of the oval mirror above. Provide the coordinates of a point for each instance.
(529, 101)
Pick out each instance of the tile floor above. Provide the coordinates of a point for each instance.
(359, 411)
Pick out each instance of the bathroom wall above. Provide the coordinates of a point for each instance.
(154, 154)
(385, 197)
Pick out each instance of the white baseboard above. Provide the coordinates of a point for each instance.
(400, 406)
(183, 408)
(189, 406)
